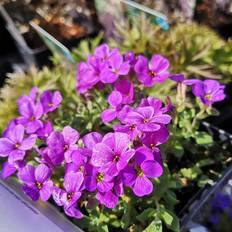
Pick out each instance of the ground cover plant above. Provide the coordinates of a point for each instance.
(105, 147)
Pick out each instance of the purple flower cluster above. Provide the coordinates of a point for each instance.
(22, 132)
(108, 66)
(105, 165)
(68, 166)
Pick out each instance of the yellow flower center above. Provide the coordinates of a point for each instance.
(38, 185)
(208, 97)
(17, 145)
(139, 171)
(100, 177)
(81, 168)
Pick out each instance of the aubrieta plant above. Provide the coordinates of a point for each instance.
(121, 162)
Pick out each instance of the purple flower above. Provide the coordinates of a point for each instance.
(33, 93)
(130, 57)
(147, 118)
(50, 101)
(64, 142)
(30, 114)
(44, 132)
(126, 89)
(115, 100)
(116, 67)
(102, 52)
(9, 169)
(208, 91)
(110, 198)
(91, 139)
(96, 179)
(68, 198)
(79, 159)
(36, 181)
(9, 128)
(51, 157)
(177, 77)
(154, 72)
(157, 104)
(152, 140)
(130, 129)
(15, 145)
(87, 77)
(144, 167)
(113, 153)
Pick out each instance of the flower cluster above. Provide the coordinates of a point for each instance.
(107, 66)
(105, 165)
(71, 167)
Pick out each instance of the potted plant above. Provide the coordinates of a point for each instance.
(106, 148)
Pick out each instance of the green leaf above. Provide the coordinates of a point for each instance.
(205, 162)
(129, 215)
(146, 214)
(178, 150)
(155, 226)
(190, 173)
(103, 218)
(170, 219)
(102, 228)
(170, 198)
(203, 138)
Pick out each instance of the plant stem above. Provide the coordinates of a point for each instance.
(198, 116)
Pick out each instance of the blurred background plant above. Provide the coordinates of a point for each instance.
(191, 48)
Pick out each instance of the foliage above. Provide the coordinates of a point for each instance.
(192, 49)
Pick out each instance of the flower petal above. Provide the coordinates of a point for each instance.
(73, 181)
(31, 192)
(115, 98)
(73, 212)
(57, 194)
(70, 135)
(121, 142)
(91, 139)
(42, 173)
(6, 146)
(28, 143)
(27, 174)
(16, 155)
(152, 168)
(143, 186)
(159, 63)
(102, 155)
(108, 199)
(7, 170)
(104, 186)
(108, 115)
(46, 191)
